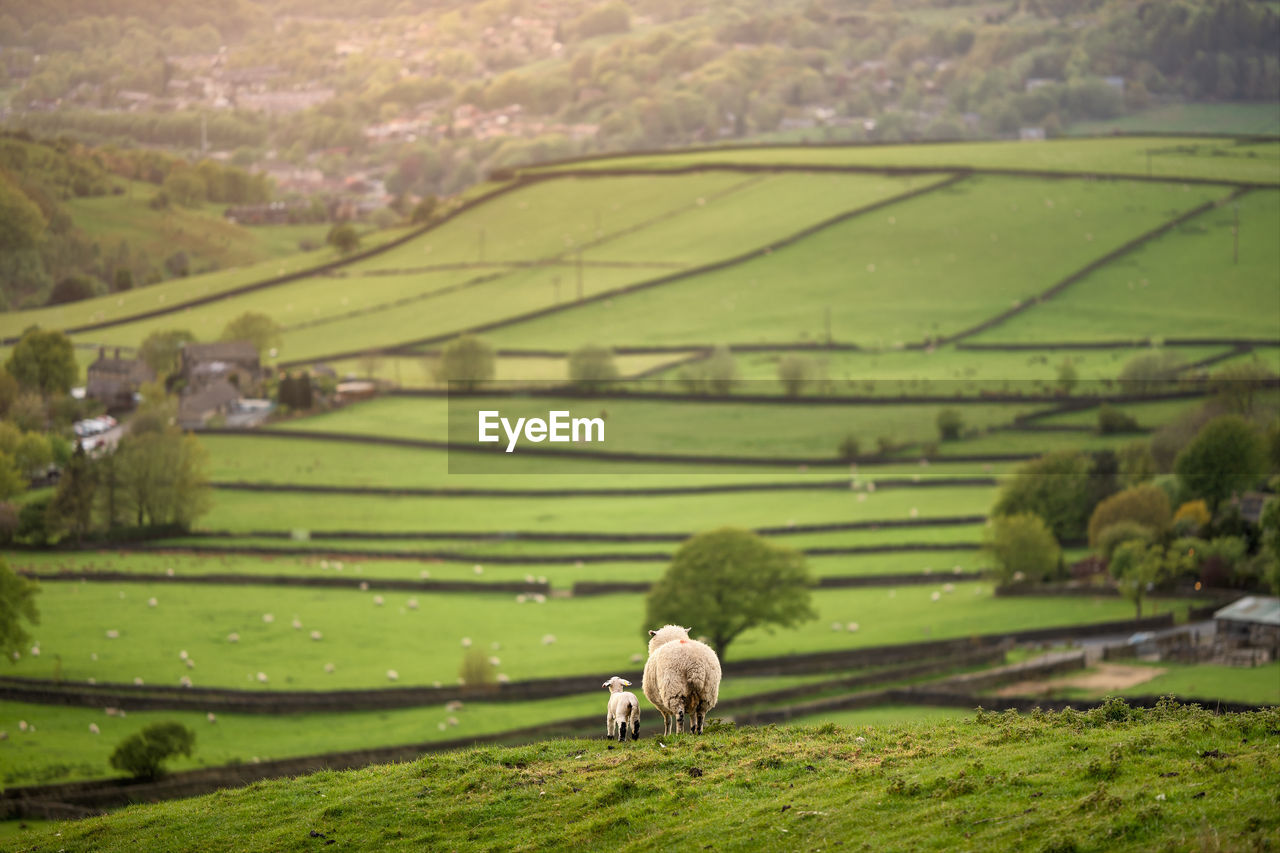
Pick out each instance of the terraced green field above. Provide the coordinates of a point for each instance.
(1173, 158)
(593, 635)
(875, 274)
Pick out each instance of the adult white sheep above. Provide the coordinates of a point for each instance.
(681, 676)
(624, 710)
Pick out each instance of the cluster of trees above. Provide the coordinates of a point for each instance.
(46, 259)
(1125, 509)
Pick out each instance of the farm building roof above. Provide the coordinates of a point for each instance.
(1259, 609)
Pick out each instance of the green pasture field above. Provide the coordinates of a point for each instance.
(364, 640)
(62, 747)
(253, 459)
(1152, 414)
(420, 371)
(986, 784)
(669, 426)
(560, 574)
(168, 293)
(976, 247)
(491, 294)
(1172, 158)
(1266, 357)
(948, 370)
(1238, 118)
(686, 513)
(1182, 284)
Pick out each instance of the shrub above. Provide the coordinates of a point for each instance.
(1191, 517)
(795, 372)
(847, 450)
(1111, 420)
(1067, 377)
(720, 371)
(1150, 372)
(592, 367)
(143, 754)
(1021, 545)
(476, 671)
(1147, 505)
(1113, 536)
(73, 288)
(950, 423)
(424, 210)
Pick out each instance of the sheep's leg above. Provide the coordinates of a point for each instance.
(621, 725)
(608, 726)
(635, 727)
(680, 720)
(666, 722)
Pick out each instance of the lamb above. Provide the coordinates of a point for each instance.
(681, 676)
(624, 709)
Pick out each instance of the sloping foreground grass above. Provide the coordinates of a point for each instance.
(1110, 779)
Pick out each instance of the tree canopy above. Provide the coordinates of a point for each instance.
(727, 581)
(43, 361)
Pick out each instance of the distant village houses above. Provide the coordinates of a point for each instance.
(215, 378)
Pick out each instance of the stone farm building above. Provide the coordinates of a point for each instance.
(113, 381)
(214, 378)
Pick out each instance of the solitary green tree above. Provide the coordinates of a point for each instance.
(258, 329)
(1138, 567)
(344, 238)
(43, 361)
(468, 361)
(160, 350)
(727, 581)
(592, 367)
(144, 753)
(794, 372)
(17, 604)
(1225, 456)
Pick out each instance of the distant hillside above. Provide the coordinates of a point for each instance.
(1108, 779)
(81, 221)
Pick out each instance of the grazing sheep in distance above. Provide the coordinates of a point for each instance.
(624, 710)
(681, 676)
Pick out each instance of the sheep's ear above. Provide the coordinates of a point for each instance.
(606, 684)
(653, 633)
(625, 683)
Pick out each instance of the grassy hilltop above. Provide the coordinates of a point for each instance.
(1108, 779)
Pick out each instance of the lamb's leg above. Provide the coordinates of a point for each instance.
(635, 728)
(621, 725)
(608, 726)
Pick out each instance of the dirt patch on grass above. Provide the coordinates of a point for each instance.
(1103, 678)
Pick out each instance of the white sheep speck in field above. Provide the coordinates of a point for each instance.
(915, 513)
(836, 626)
(466, 642)
(297, 624)
(548, 639)
(93, 727)
(521, 598)
(329, 667)
(495, 661)
(935, 596)
(392, 675)
(478, 569)
(364, 586)
(377, 601)
(316, 635)
(182, 655)
(211, 717)
(424, 574)
(112, 634)
(412, 604)
(949, 587)
(441, 726)
(637, 657)
(184, 681)
(262, 678)
(169, 572)
(852, 627)
(268, 618)
(35, 651)
(190, 663)
(503, 678)
(151, 602)
(138, 681)
(233, 637)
